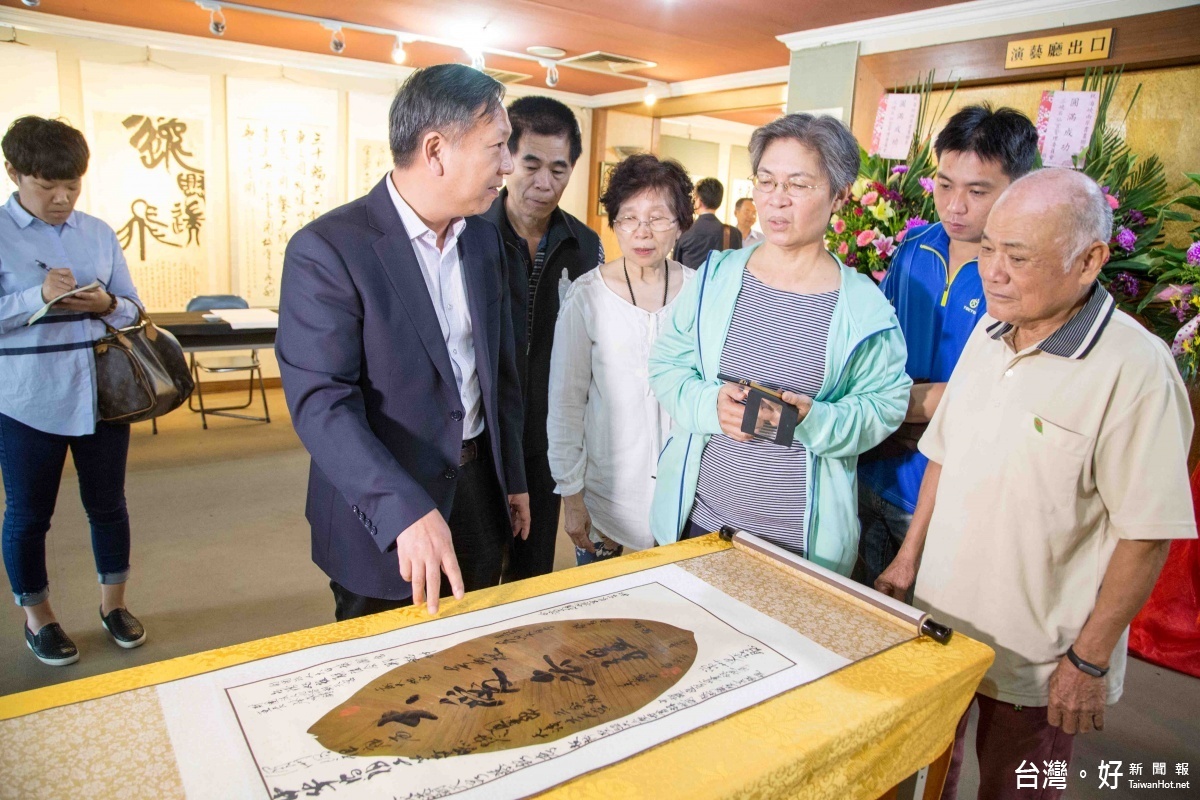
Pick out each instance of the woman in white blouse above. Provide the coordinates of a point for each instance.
(605, 426)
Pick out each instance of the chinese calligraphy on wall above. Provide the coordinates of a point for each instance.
(283, 182)
(374, 160)
(151, 180)
(1063, 48)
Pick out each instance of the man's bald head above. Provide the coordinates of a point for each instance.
(1069, 206)
(1044, 244)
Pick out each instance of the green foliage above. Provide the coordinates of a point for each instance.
(893, 191)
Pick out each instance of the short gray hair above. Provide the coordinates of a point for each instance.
(835, 145)
(1089, 217)
(449, 98)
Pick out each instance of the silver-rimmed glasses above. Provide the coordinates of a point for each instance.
(766, 184)
(656, 224)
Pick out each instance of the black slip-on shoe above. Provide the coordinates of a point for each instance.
(51, 645)
(124, 628)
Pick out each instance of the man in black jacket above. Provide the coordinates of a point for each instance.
(542, 244)
(707, 232)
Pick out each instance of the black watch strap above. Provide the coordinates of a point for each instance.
(1084, 666)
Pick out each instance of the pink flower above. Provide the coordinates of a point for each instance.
(839, 225)
(883, 246)
(1112, 201)
(879, 275)
(900, 236)
(858, 212)
(843, 248)
(926, 184)
(1193, 254)
(1173, 291)
(914, 222)
(900, 169)
(870, 198)
(865, 237)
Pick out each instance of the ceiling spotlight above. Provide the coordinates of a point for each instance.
(337, 41)
(216, 18)
(476, 56)
(551, 73)
(32, 3)
(398, 54)
(649, 98)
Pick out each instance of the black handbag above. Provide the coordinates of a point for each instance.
(141, 372)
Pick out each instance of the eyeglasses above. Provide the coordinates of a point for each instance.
(658, 224)
(766, 184)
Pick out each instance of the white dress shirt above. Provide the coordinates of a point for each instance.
(443, 273)
(605, 426)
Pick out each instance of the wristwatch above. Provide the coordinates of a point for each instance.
(1084, 666)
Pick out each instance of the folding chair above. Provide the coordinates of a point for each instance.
(224, 365)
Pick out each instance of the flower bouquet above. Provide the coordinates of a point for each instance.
(1147, 277)
(1172, 305)
(890, 197)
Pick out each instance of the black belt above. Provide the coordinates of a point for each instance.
(471, 450)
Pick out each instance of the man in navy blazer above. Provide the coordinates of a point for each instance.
(395, 346)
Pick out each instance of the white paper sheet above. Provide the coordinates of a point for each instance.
(243, 318)
(242, 731)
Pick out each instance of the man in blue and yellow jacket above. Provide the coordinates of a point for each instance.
(934, 285)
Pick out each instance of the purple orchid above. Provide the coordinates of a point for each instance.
(1125, 283)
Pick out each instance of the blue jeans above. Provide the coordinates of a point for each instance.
(31, 462)
(883, 529)
(602, 554)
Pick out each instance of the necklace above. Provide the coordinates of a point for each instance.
(629, 283)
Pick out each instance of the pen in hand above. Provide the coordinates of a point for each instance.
(48, 269)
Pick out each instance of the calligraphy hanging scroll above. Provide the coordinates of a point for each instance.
(283, 174)
(370, 155)
(150, 177)
(150, 174)
(287, 186)
(373, 160)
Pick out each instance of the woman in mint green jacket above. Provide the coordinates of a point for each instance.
(788, 315)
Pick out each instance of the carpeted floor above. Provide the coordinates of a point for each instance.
(221, 556)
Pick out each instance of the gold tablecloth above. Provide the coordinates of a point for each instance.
(852, 734)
